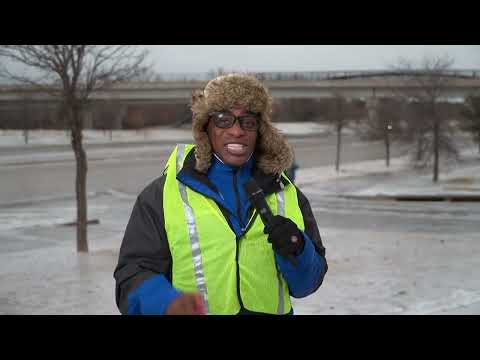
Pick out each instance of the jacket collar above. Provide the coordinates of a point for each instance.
(268, 183)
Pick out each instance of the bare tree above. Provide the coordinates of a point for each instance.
(298, 110)
(147, 74)
(72, 73)
(417, 129)
(471, 113)
(383, 122)
(337, 116)
(25, 117)
(427, 83)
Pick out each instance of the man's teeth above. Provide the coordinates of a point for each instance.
(235, 147)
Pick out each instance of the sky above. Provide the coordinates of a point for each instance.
(197, 59)
(203, 58)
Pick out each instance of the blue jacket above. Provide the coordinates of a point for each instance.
(153, 292)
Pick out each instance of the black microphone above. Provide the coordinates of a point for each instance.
(256, 196)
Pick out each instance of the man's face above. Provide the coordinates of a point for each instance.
(233, 145)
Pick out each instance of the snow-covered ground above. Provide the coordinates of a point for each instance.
(40, 271)
(397, 272)
(454, 179)
(428, 267)
(373, 269)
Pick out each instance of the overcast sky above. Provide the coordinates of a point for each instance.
(202, 58)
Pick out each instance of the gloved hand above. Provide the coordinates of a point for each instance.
(285, 237)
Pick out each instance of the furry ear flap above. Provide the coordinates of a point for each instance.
(197, 96)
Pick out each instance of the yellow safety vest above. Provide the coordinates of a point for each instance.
(205, 257)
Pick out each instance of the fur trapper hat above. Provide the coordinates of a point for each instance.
(273, 153)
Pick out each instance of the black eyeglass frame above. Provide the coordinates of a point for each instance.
(216, 114)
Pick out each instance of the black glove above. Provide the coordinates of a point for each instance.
(285, 237)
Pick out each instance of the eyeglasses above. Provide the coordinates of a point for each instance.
(225, 120)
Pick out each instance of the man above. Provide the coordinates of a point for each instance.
(195, 244)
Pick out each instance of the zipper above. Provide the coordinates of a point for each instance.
(225, 213)
(237, 197)
(237, 239)
(244, 230)
(239, 296)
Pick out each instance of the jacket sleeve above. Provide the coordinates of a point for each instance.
(144, 252)
(311, 227)
(311, 230)
(307, 276)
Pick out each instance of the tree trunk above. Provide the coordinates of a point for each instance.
(25, 123)
(339, 143)
(387, 146)
(80, 181)
(419, 148)
(436, 139)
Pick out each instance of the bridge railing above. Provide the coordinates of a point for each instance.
(318, 75)
(267, 76)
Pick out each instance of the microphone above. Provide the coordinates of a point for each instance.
(256, 196)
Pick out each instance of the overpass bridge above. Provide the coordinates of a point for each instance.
(178, 88)
(351, 84)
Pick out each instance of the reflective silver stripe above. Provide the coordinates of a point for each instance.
(193, 235)
(281, 203)
(180, 152)
(280, 211)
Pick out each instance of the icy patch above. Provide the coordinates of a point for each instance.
(456, 300)
(50, 211)
(120, 195)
